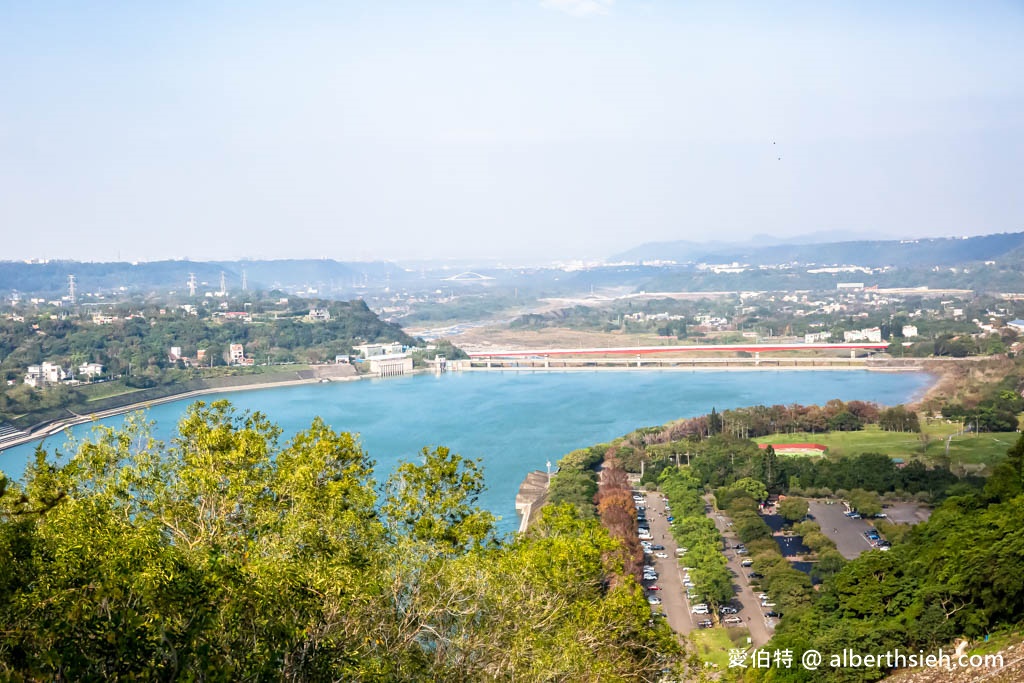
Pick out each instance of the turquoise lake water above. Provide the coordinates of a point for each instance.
(516, 421)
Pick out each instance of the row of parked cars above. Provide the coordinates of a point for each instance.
(876, 540)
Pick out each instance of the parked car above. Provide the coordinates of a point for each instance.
(657, 546)
(755, 575)
(773, 614)
(705, 623)
(747, 563)
(661, 555)
(732, 620)
(654, 600)
(725, 609)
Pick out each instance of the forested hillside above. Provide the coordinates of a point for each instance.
(136, 346)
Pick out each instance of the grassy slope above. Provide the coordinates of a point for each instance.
(984, 448)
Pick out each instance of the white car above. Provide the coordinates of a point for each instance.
(698, 610)
(661, 555)
(732, 620)
(654, 600)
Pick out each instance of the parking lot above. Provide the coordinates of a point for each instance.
(847, 533)
(673, 598)
(750, 610)
(907, 513)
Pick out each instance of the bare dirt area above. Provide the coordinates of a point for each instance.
(961, 379)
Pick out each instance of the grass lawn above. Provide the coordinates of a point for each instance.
(713, 644)
(984, 448)
(95, 392)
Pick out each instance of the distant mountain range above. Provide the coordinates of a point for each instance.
(289, 274)
(938, 251)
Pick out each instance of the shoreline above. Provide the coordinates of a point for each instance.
(49, 429)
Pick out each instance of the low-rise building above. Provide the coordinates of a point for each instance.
(368, 351)
(391, 364)
(910, 331)
(319, 315)
(236, 355)
(90, 370)
(868, 334)
(47, 373)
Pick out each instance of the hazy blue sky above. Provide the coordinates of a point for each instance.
(562, 128)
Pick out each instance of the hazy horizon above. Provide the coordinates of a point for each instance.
(537, 130)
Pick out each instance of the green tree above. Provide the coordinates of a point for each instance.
(793, 509)
(435, 502)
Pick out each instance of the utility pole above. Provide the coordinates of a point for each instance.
(191, 284)
(245, 282)
(223, 286)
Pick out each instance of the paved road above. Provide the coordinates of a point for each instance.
(848, 534)
(751, 611)
(673, 597)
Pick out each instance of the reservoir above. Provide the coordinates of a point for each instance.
(514, 422)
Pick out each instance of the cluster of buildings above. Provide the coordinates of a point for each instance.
(49, 374)
(387, 359)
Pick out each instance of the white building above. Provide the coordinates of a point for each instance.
(910, 331)
(868, 334)
(236, 355)
(370, 350)
(319, 315)
(41, 375)
(816, 337)
(391, 364)
(90, 370)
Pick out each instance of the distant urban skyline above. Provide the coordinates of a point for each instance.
(534, 130)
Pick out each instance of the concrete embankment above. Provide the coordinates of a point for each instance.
(533, 493)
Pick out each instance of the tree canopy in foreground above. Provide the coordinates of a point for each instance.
(225, 555)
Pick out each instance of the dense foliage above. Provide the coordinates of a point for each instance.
(958, 574)
(136, 347)
(227, 556)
